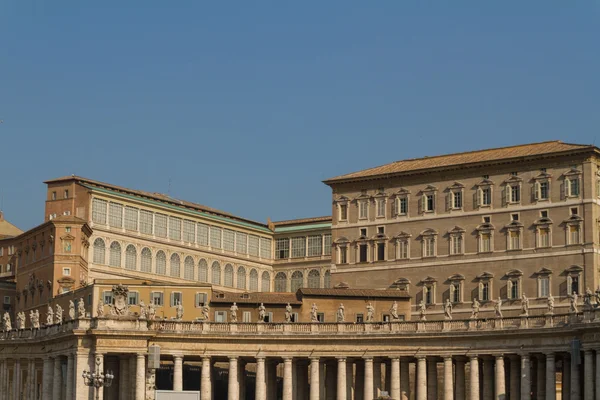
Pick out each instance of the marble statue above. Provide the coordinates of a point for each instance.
(597, 295)
(370, 312)
(394, 311)
(143, 311)
(262, 312)
(6, 322)
(498, 307)
(34, 317)
(422, 310)
(550, 304)
(205, 312)
(49, 315)
(313, 313)
(448, 309)
(475, 309)
(71, 310)
(573, 309)
(100, 308)
(233, 312)
(179, 310)
(341, 317)
(151, 311)
(58, 315)
(80, 308)
(587, 299)
(288, 313)
(21, 320)
(524, 306)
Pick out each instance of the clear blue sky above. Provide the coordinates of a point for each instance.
(247, 106)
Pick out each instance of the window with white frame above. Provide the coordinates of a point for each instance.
(454, 197)
(543, 236)
(131, 218)
(107, 297)
(160, 225)
(428, 240)
(380, 207)
(343, 255)
(363, 252)
(513, 235)
(485, 286)
(133, 298)
(176, 298)
(485, 241)
(571, 186)
(115, 215)
(429, 286)
(513, 284)
(315, 245)
(201, 299)
(130, 257)
(175, 265)
(573, 234)
(344, 212)
(403, 250)
(215, 237)
(485, 196)
(215, 271)
(298, 247)
(156, 298)
(220, 316)
(115, 254)
(427, 202)
(161, 263)
(228, 240)
(241, 278)
(99, 251)
(455, 292)
(202, 270)
(146, 260)
(403, 205)
(280, 282)
(253, 245)
(253, 286)
(282, 248)
(67, 271)
(174, 228)
(265, 282)
(265, 248)
(543, 285)
(146, 222)
(246, 316)
(189, 231)
(541, 190)
(202, 234)
(574, 280)
(99, 211)
(456, 236)
(363, 209)
(327, 244)
(228, 275)
(241, 243)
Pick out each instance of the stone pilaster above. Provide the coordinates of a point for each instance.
(17, 379)
(500, 384)
(474, 375)
(525, 377)
(421, 386)
(341, 378)
(550, 377)
(448, 379)
(233, 387)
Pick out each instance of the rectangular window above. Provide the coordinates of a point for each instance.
(544, 191)
(380, 251)
(175, 228)
(515, 242)
(456, 247)
(67, 271)
(429, 202)
(189, 231)
(455, 292)
(107, 297)
(315, 245)
(253, 245)
(282, 248)
(215, 237)
(573, 187)
(573, 234)
(202, 234)
(66, 194)
(363, 250)
(131, 218)
(321, 317)
(429, 247)
(574, 287)
(485, 240)
(228, 239)
(544, 237)
(381, 208)
(201, 299)
(428, 294)
(360, 318)
(403, 249)
(486, 196)
(246, 316)
(327, 244)
(6, 299)
(265, 248)
(515, 193)
(363, 209)
(241, 240)
(544, 286)
(115, 215)
(343, 212)
(403, 206)
(53, 195)
(156, 298)
(457, 200)
(220, 316)
(343, 255)
(485, 291)
(514, 289)
(298, 247)
(146, 222)
(160, 225)
(99, 211)
(133, 298)
(176, 298)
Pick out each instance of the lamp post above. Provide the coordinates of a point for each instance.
(97, 379)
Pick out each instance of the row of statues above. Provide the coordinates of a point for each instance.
(54, 316)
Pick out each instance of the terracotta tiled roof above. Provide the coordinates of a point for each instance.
(255, 298)
(366, 293)
(302, 221)
(471, 157)
(153, 195)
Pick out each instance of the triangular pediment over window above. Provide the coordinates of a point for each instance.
(572, 171)
(543, 221)
(544, 271)
(485, 227)
(542, 176)
(429, 232)
(430, 188)
(362, 196)
(402, 192)
(513, 179)
(342, 199)
(403, 235)
(67, 237)
(342, 240)
(485, 182)
(456, 185)
(456, 230)
(429, 280)
(514, 273)
(456, 277)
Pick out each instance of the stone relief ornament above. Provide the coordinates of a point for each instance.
(119, 306)
(49, 315)
(448, 309)
(58, 315)
(21, 320)
(71, 310)
(370, 312)
(80, 308)
(6, 322)
(313, 313)
(233, 312)
(262, 312)
(288, 313)
(498, 307)
(341, 314)
(394, 311)
(475, 309)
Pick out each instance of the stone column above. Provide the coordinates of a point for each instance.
(178, 373)
(500, 379)
(205, 382)
(588, 370)
(550, 377)
(421, 386)
(525, 377)
(46, 380)
(575, 385)
(432, 379)
(70, 383)
(140, 377)
(566, 378)
(314, 378)
(233, 388)
(261, 383)
(57, 384)
(368, 386)
(395, 378)
(287, 379)
(515, 378)
(474, 374)
(459, 377)
(541, 377)
(341, 378)
(448, 379)
(488, 379)
(404, 380)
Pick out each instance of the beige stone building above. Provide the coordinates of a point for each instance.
(462, 276)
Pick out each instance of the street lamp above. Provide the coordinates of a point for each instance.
(97, 378)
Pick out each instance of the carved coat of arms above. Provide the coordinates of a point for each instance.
(120, 306)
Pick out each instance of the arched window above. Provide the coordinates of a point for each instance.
(297, 280)
(146, 260)
(99, 251)
(175, 269)
(130, 257)
(241, 278)
(215, 270)
(161, 263)
(115, 254)
(253, 281)
(327, 279)
(314, 279)
(202, 270)
(265, 284)
(228, 275)
(188, 268)
(280, 282)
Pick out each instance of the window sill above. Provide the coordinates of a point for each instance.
(485, 252)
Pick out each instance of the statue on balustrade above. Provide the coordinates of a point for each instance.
(262, 312)
(205, 312)
(550, 305)
(288, 313)
(233, 312)
(475, 309)
(573, 309)
(341, 317)
(151, 311)
(313, 313)
(6, 322)
(448, 309)
(498, 307)
(49, 316)
(34, 317)
(394, 311)
(71, 310)
(370, 312)
(21, 320)
(58, 315)
(100, 308)
(422, 311)
(143, 311)
(524, 306)
(597, 295)
(587, 300)
(179, 311)
(80, 308)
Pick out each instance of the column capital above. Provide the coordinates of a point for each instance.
(341, 359)
(395, 358)
(421, 357)
(260, 358)
(231, 358)
(314, 358)
(550, 354)
(206, 358)
(473, 356)
(499, 356)
(368, 358)
(447, 358)
(177, 356)
(287, 359)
